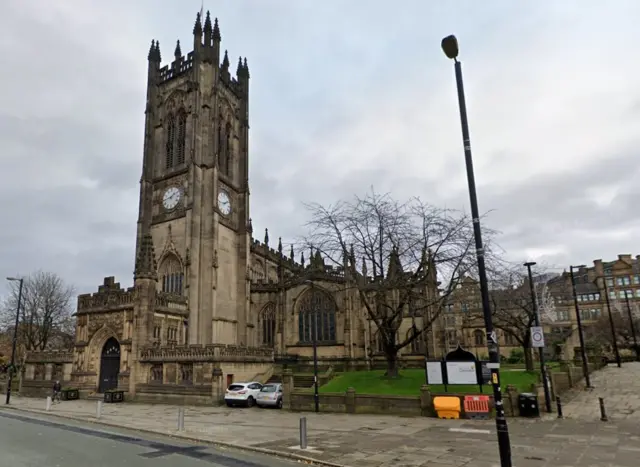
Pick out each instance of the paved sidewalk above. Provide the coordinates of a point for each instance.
(620, 388)
(377, 441)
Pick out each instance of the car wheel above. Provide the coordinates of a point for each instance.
(279, 403)
(229, 404)
(250, 402)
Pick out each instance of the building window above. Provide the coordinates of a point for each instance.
(176, 139)
(450, 321)
(464, 307)
(317, 317)
(157, 332)
(626, 280)
(478, 338)
(562, 315)
(171, 275)
(608, 272)
(612, 294)
(155, 375)
(619, 281)
(636, 279)
(609, 281)
(637, 293)
(416, 344)
(267, 323)
(186, 373)
(448, 307)
(172, 335)
(509, 340)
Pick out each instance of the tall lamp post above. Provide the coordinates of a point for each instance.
(15, 336)
(543, 369)
(613, 328)
(633, 327)
(450, 48)
(583, 353)
(314, 337)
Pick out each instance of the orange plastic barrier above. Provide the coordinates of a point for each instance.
(476, 404)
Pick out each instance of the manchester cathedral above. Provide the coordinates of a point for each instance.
(208, 297)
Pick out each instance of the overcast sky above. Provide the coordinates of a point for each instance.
(344, 95)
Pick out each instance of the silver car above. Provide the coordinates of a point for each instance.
(270, 396)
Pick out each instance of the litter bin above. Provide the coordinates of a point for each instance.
(528, 404)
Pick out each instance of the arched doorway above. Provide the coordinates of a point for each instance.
(109, 365)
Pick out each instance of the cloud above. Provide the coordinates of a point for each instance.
(342, 98)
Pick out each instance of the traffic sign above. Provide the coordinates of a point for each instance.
(537, 336)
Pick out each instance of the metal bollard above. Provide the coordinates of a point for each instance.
(603, 413)
(180, 419)
(99, 409)
(48, 404)
(303, 432)
(559, 406)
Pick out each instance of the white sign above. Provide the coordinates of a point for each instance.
(537, 336)
(434, 373)
(462, 373)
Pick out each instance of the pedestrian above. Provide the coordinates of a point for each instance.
(57, 387)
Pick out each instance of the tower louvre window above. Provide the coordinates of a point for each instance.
(171, 135)
(182, 134)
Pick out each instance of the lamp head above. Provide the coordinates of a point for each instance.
(13, 279)
(450, 46)
(530, 263)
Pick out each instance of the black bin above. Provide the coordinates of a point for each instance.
(528, 404)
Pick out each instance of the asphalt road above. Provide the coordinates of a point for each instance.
(34, 441)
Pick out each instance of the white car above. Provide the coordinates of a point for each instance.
(270, 396)
(244, 394)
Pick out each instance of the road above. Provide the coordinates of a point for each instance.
(40, 441)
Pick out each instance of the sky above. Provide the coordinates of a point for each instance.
(345, 95)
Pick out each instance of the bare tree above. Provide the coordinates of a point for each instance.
(513, 308)
(397, 254)
(46, 312)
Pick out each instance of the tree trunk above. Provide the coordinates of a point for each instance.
(392, 364)
(528, 359)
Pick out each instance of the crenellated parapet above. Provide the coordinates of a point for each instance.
(50, 356)
(172, 304)
(206, 353)
(110, 296)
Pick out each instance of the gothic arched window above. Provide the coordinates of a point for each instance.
(416, 344)
(317, 316)
(267, 323)
(221, 149)
(182, 137)
(171, 275)
(228, 155)
(171, 136)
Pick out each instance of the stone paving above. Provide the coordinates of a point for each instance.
(620, 389)
(384, 441)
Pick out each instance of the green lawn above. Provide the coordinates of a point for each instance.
(410, 381)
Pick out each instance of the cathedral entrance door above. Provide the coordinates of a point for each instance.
(109, 365)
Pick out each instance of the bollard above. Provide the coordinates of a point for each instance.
(180, 419)
(48, 404)
(303, 432)
(99, 409)
(603, 414)
(559, 406)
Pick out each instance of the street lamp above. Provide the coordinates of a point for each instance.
(613, 328)
(633, 328)
(583, 354)
(543, 369)
(15, 336)
(314, 334)
(450, 48)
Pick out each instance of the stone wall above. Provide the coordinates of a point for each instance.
(42, 369)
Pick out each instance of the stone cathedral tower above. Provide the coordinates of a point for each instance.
(194, 189)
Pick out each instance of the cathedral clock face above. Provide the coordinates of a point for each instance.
(224, 203)
(171, 198)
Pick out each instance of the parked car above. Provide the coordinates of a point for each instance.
(270, 396)
(244, 394)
